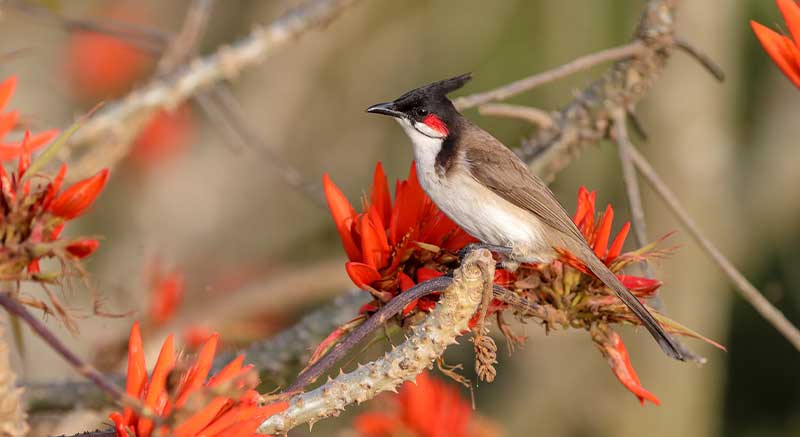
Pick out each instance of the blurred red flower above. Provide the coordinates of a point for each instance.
(165, 137)
(167, 289)
(427, 408)
(99, 66)
(784, 51)
(224, 405)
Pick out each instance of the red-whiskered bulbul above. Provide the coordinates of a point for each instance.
(484, 187)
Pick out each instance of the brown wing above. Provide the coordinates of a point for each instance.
(499, 169)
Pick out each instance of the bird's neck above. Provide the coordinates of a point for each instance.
(435, 155)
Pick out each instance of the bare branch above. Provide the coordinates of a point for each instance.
(13, 307)
(704, 60)
(184, 45)
(118, 123)
(506, 91)
(426, 343)
(751, 294)
(534, 116)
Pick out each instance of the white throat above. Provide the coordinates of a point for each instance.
(427, 144)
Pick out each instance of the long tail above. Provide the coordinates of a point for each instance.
(602, 272)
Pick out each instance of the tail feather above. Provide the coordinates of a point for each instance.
(602, 272)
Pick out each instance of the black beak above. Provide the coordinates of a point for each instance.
(385, 109)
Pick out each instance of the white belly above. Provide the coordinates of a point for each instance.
(485, 215)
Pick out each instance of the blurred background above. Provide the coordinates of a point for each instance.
(193, 210)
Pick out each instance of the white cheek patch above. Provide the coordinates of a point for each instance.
(428, 131)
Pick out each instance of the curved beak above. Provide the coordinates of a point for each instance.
(387, 108)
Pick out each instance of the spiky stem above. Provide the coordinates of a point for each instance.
(427, 341)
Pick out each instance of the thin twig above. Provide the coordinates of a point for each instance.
(184, 45)
(13, 307)
(704, 60)
(750, 293)
(534, 116)
(232, 111)
(634, 194)
(620, 133)
(145, 38)
(506, 91)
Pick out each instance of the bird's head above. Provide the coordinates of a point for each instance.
(427, 109)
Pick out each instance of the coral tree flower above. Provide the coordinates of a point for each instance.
(77, 199)
(613, 349)
(429, 408)
(393, 245)
(784, 51)
(167, 293)
(225, 404)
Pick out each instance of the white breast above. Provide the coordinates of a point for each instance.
(483, 214)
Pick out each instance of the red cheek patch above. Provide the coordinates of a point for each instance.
(436, 123)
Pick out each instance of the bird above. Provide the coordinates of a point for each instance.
(486, 189)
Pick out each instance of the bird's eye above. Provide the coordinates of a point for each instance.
(421, 112)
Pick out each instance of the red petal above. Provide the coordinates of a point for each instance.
(79, 197)
(379, 198)
(603, 233)
(158, 383)
(137, 371)
(617, 355)
(373, 242)
(7, 90)
(196, 376)
(7, 122)
(781, 49)
(233, 368)
(361, 274)
(83, 248)
(641, 287)
(343, 217)
(791, 14)
(191, 426)
(619, 241)
(375, 424)
(424, 274)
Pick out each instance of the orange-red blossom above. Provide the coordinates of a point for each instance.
(229, 405)
(784, 51)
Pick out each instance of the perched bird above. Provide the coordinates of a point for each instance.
(484, 187)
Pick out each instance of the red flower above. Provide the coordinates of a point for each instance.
(612, 347)
(8, 122)
(165, 137)
(394, 245)
(75, 200)
(228, 403)
(100, 66)
(784, 51)
(167, 293)
(429, 408)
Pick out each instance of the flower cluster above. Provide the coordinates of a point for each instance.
(784, 51)
(426, 407)
(393, 246)
(187, 402)
(34, 209)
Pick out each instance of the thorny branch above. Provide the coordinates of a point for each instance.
(426, 343)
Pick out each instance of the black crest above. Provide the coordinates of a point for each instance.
(436, 90)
